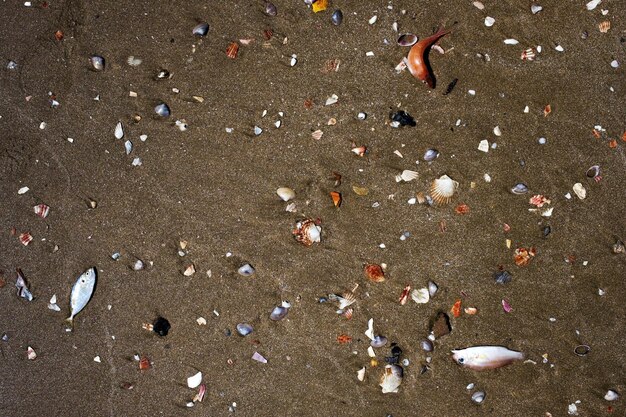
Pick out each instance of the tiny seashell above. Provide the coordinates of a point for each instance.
(604, 26)
(119, 131)
(23, 190)
(97, 63)
(41, 210)
(519, 189)
(25, 238)
(232, 50)
(407, 39)
(483, 146)
(30, 353)
(22, 286)
(611, 395)
(270, 9)
(244, 329)
(246, 270)
(293, 61)
(346, 299)
(593, 4)
(337, 17)
(535, 8)
(593, 171)
(580, 191)
(391, 379)
(162, 110)
(470, 310)
(361, 116)
(432, 288)
(317, 135)
(528, 55)
(427, 345)
(489, 21)
(258, 357)
(372, 20)
(331, 100)
(201, 29)
(431, 155)
(497, 131)
(502, 277)
(278, 123)
(559, 48)
(128, 146)
(511, 41)
(257, 131)
(138, 265)
(189, 270)
(421, 296)
(374, 273)
(195, 380)
(478, 397)
(280, 311)
(359, 150)
(406, 176)
(442, 189)
(201, 321)
(360, 375)
(370, 330)
(479, 5)
(163, 74)
(286, 193)
(307, 232)
(133, 62)
(378, 341)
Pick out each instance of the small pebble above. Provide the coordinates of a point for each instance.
(542, 141)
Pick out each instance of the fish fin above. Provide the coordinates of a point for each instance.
(70, 322)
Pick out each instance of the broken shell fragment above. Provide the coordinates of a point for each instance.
(391, 379)
(593, 171)
(580, 191)
(519, 189)
(535, 8)
(427, 345)
(337, 17)
(432, 288)
(378, 341)
(374, 273)
(442, 189)
(286, 193)
(97, 63)
(41, 210)
(246, 270)
(244, 329)
(201, 29)
(407, 39)
(232, 50)
(611, 395)
(406, 176)
(619, 247)
(162, 110)
(502, 277)
(431, 155)
(30, 353)
(270, 9)
(189, 270)
(195, 380)
(258, 357)
(119, 131)
(421, 296)
(22, 286)
(25, 238)
(528, 54)
(478, 397)
(360, 375)
(307, 232)
(346, 299)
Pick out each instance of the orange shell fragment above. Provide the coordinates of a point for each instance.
(336, 198)
(343, 339)
(462, 209)
(612, 144)
(232, 50)
(58, 35)
(374, 273)
(547, 110)
(456, 309)
(523, 256)
(144, 363)
(320, 6)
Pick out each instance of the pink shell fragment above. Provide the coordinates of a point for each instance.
(259, 358)
(200, 395)
(506, 306)
(41, 210)
(26, 238)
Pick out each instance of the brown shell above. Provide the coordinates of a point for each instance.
(374, 273)
(232, 50)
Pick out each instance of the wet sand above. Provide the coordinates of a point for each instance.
(216, 190)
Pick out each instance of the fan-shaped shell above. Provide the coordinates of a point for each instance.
(442, 189)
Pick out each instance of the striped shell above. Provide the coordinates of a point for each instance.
(232, 50)
(442, 189)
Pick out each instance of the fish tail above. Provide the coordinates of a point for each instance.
(70, 322)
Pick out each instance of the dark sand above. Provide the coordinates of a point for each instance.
(217, 191)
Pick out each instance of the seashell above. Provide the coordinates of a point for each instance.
(360, 375)
(246, 270)
(478, 397)
(442, 189)
(528, 54)
(431, 155)
(22, 286)
(535, 8)
(489, 21)
(611, 395)
(280, 311)
(519, 188)
(370, 331)
(119, 131)
(128, 147)
(257, 131)
(189, 270)
(479, 5)
(286, 193)
(502, 277)
(41, 210)
(580, 190)
(593, 4)
(337, 17)
(346, 299)
(201, 29)
(307, 232)
(348, 313)
(361, 116)
(244, 329)
(374, 273)
(138, 265)
(619, 247)
(407, 39)
(378, 341)
(30, 353)
(25, 238)
(421, 296)
(162, 74)
(97, 63)
(406, 176)
(432, 288)
(593, 171)
(232, 50)
(391, 378)
(511, 41)
(359, 150)
(258, 357)
(195, 380)
(604, 26)
(162, 110)
(497, 131)
(470, 310)
(427, 345)
(134, 62)
(270, 9)
(317, 135)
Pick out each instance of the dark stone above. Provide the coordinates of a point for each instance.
(161, 326)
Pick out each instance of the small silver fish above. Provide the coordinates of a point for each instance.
(485, 357)
(81, 293)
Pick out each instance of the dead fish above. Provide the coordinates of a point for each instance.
(485, 357)
(417, 58)
(81, 293)
(22, 286)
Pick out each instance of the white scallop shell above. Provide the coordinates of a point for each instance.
(391, 379)
(442, 189)
(286, 193)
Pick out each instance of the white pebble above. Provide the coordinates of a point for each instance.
(143, 138)
(382, 246)
(497, 131)
(489, 21)
(487, 177)
(479, 5)
(372, 20)
(511, 41)
(42, 125)
(614, 63)
(137, 162)
(411, 202)
(526, 109)
(97, 359)
(593, 4)
(369, 53)
(471, 92)
(483, 146)
(539, 49)
(568, 196)
(542, 141)
(559, 48)
(23, 190)
(535, 8)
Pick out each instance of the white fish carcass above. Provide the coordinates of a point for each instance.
(81, 293)
(485, 357)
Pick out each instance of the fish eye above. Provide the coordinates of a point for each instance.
(461, 360)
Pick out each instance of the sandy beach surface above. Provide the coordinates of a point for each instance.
(213, 187)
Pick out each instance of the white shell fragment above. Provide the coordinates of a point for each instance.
(497, 131)
(23, 190)
(258, 357)
(361, 374)
(128, 147)
(421, 296)
(30, 353)
(483, 146)
(195, 380)
(370, 329)
(432, 288)
(53, 304)
(189, 270)
(331, 100)
(559, 48)
(97, 359)
(406, 176)
(610, 395)
(593, 4)
(580, 190)
(535, 8)
(257, 130)
(478, 397)
(372, 20)
(511, 41)
(119, 131)
(479, 5)
(246, 270)
(489, 21)
(286, 193)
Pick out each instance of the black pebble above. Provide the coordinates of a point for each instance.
(546, 231)
(392, 359)
(404, 118)
(396, 351)
(161, 326)
(502, 277)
